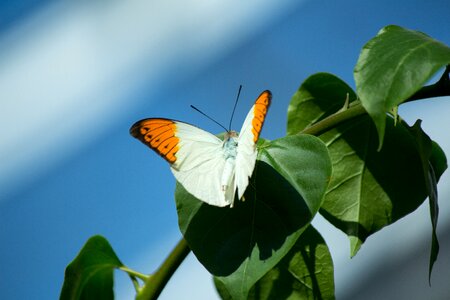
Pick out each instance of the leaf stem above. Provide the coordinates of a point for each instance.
(134, 273)
(156, 282)
(334, 119)
(438, 89)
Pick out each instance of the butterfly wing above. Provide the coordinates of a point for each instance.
(248, 137)
(195, 156)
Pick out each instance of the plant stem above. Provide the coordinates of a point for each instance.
(335, 119)
(134, 273)
(440, 88)
(156, 282)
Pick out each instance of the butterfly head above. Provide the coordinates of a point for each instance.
(230, 134)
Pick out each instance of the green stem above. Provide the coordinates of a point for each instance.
(335, 119)
(440, 88)
(135, 273)
(156, 282)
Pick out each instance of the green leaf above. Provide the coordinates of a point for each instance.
(306, 272)
(319, 96)
(371, 189)
(392, 67)
(90, 274)
(425, 147)
(239, 245)
(438, 160)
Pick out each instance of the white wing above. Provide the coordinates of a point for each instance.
(200, 165)
(196, 157)
(248, 136)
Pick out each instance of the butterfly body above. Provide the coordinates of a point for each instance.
(230, 144)
(209, 168)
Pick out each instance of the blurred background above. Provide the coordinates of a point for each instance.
(74, 75)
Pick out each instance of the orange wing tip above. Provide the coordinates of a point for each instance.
(261, 107)
(159, 135)
(264, 98)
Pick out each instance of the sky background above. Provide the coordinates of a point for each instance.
(74, 76)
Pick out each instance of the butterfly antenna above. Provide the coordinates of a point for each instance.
(234, 108)
(209, 117)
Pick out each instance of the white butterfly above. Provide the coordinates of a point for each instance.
(208, 168)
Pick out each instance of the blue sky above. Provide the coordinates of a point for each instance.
(75, 76)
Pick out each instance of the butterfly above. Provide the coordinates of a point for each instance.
(210, 169)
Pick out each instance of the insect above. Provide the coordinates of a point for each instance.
(210, 169)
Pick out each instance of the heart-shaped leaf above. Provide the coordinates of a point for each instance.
(306, 272)
(239, 245)
(90, 274)
(392, 67)
(371, 189)
(319, 96)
